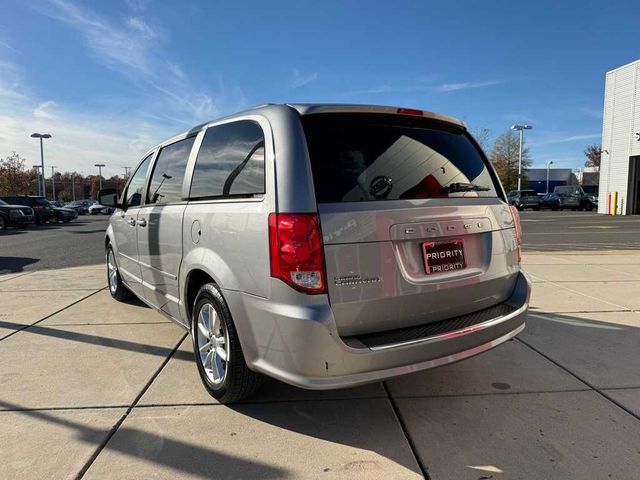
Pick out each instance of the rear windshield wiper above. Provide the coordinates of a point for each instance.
(464, 187)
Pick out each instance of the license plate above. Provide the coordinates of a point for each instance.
(442, 257)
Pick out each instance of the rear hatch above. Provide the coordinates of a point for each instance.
(414, 226)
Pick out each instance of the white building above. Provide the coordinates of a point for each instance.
(620, 163)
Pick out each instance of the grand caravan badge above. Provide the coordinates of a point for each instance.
(354, 280)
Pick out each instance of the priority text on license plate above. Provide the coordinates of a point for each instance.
(441, 257)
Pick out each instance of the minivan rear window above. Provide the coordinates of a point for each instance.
(368, 157)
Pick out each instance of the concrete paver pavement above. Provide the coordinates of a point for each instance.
(561, 401)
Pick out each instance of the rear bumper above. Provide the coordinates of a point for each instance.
(299, 345)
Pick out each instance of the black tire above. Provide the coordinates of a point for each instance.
(238, 381)
(3, 223)
(67, 221)
(117, 289)
(536, 209)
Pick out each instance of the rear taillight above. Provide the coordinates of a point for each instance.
(518, 227)
(37, 207)
(516, 222)
(295, 244)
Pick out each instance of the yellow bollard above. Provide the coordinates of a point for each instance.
(614, 203)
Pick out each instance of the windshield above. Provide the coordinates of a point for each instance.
(368, 157)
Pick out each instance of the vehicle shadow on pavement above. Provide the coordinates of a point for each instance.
(6, 232)
(15, 264)
(59, 332)
(159, 449)
(366, 424)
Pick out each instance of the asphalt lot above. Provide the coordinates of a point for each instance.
(79, 242)
(581, 231)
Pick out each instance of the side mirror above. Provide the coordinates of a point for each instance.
(109, 198)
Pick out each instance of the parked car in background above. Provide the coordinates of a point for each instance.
(522, 199)
(560, 201)
(381, 244)
(585, 201)
(15, 215)
(63, 214)
(80, 206)
(96, 209)
(41, 207)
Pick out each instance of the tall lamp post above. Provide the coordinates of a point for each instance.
(41, 136)
(37, 169)
(100, 165)
(53, 182)
(521, 129)
(548, 165)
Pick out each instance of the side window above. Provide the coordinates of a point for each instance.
(166, 182)
(135, 189)
(230, 161)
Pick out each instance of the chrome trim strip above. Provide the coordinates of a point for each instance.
(129, 258)
(161, 272)
(454, 333)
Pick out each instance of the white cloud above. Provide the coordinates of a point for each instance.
(567, 139)
(43, 110)
(114, 45)
(452, 87)
(133, 49)
(300, 80)
(137, 5)
(138, 25)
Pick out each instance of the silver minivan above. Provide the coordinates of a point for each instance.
(326, 246)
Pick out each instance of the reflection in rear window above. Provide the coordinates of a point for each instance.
(367, 157)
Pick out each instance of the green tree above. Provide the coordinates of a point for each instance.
(504, 157)
(15, 179)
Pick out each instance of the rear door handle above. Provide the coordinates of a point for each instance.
(132, 222)
(142, 223)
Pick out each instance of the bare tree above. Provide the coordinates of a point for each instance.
(593, 154)
(504, 157)
(483, 137)
(15, 179)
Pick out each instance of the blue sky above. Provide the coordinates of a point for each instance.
(110, 79)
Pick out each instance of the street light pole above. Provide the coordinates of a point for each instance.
(37, 168)
(41, 136)
(73, 187)
(100, 165)
(548, 165)
(53, 182)
(521, 129)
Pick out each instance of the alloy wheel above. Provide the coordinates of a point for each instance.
(213, 343)
(112, 272)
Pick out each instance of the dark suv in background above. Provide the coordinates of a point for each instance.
(14, 215)
(522, 199)
(41, 207)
